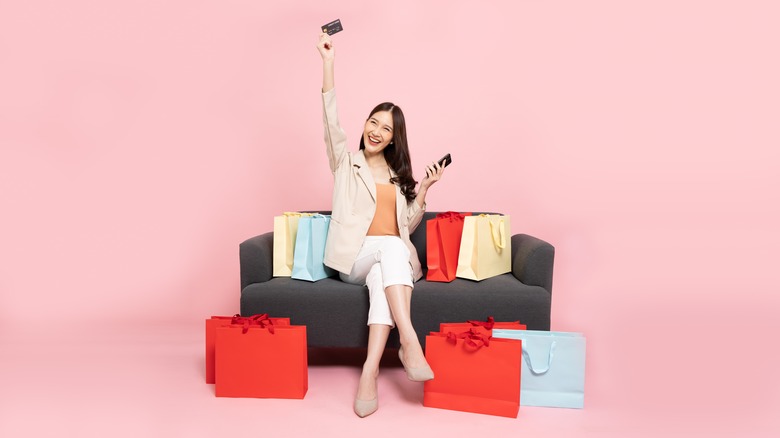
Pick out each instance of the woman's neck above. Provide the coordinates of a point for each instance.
(375, 160)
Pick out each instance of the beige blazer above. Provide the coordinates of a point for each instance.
(354, 199)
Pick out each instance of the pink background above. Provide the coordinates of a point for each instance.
(141, 142)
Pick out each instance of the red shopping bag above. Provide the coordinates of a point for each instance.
(484, 327)
(257, 362)
(474, 373)
(219, 321)
(443, 245)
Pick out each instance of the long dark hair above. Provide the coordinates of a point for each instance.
(397, 153)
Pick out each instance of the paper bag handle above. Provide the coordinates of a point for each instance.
(527, 358)
(499, 235)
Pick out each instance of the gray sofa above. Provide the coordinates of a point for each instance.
(335, 313)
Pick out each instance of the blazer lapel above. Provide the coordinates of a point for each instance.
(360, 167)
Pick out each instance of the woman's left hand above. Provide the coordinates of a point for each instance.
(433, 173)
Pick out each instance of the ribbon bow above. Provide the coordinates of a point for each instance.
(451, 215)
(260, 319)
(472, 338)
(488, 324)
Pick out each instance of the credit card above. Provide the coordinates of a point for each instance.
(332, 27)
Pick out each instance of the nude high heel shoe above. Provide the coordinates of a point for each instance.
(420, 374)
(364, 408)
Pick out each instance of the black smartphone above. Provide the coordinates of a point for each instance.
(445, 160)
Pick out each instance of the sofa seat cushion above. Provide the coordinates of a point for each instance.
(336, 313)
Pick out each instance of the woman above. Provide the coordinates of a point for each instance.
(375, 209)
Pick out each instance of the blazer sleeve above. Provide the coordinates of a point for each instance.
(414, 215)
(335, 138)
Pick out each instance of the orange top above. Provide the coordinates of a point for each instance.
(385, 221)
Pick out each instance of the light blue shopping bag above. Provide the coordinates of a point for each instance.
(310, 249)
(553, 369)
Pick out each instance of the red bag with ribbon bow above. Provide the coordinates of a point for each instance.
(261, 361)
(262, 320)
(443, 245)
(474, 373)
(485, 327)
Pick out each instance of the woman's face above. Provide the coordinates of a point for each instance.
(378, 131)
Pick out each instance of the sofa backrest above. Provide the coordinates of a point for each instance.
(418, 238)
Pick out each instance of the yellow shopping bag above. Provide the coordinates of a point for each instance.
(285, 230)
(485, 247)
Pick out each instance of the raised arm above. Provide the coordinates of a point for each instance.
(335, 138)
(325, 46)
(433, 173)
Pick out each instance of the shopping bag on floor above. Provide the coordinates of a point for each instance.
(285, 231)
(443, 235)
(219, 321)
(473, 373)
(484, 327)
(308, 261)
(257, 362)
(485, 248)
(553, 373)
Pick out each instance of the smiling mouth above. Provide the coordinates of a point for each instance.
(373, 141)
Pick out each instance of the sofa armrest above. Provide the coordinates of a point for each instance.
(256, 258)
(532, 261)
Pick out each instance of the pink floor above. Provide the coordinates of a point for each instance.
(150, 382)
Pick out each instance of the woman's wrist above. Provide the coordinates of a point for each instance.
(421, 195)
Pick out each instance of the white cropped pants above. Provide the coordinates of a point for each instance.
(381, 262)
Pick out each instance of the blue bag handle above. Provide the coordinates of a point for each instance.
(527, 357)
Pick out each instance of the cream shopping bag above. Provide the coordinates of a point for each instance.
(485, 247)
(285, 230)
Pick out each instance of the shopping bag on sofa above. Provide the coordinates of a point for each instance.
(473, 373)
(258, 362)
(484, 327)
(212, 323)
(442, 236)
(485, 248)
(285, 231)
(553, 373)
(310, 249)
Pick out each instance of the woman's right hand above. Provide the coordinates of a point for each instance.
(325, 46)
